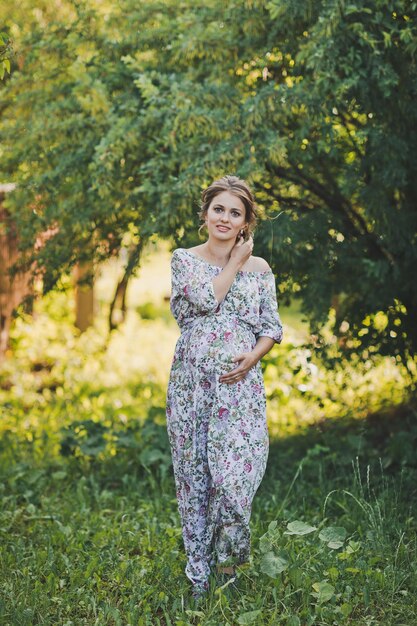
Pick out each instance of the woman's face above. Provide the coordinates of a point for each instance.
(225, 216)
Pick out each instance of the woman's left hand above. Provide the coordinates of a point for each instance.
(247, 361)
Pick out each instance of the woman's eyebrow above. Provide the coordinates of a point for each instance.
(232, 209)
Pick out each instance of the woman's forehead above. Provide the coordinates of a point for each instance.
(229, 200)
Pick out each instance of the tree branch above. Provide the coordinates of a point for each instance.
(119, 300)
(350, 210)
(353, 221)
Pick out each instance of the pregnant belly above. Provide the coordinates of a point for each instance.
(212, 346)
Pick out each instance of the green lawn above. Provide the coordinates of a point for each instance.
(94, 537)
(90, 531)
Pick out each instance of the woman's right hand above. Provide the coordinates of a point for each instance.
(239, 254)
(242, 250)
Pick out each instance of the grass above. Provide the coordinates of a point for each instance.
(89, 527)
(95, 538)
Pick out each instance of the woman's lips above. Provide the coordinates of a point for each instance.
(223, 228)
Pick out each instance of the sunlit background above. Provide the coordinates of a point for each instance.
(114, 116)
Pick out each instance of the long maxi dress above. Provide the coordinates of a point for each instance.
(217, 431)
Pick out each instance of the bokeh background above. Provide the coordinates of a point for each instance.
(113, 118)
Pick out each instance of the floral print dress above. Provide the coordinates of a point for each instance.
(217, 431)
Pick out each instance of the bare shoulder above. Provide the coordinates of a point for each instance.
(178, 250)
(256, 264)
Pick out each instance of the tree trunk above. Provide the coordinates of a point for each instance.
(13, 290)
(117, 312)
(84, 296)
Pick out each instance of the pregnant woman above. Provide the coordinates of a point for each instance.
(224, 301)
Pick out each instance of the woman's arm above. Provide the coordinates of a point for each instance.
(262, 347)
(247, 360)
(223, 281)
(240, 253)
(270, 331)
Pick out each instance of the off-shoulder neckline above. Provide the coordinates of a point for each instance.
(197, 256)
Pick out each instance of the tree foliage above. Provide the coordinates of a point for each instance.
(121, 115)
(5, 53)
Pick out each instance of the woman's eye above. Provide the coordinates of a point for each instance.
(234, 213)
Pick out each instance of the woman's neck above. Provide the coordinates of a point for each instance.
(218, 252)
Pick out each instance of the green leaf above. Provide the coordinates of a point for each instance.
(299, 528)
(324, 591)
(192, 613)
(334, 536)
(295, 575)
(333, 572)
(294, 620)
(59, 475)
(266, 542)
(346, 609)
(273, 565)
(249, 618)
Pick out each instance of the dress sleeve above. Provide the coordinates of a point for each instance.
(270, 321)
(192, 289)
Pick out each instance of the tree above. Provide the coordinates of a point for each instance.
(313, 104)
(338, 141)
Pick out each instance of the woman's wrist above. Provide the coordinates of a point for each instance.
(235, 264)
(262, 347)
(255, 357)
